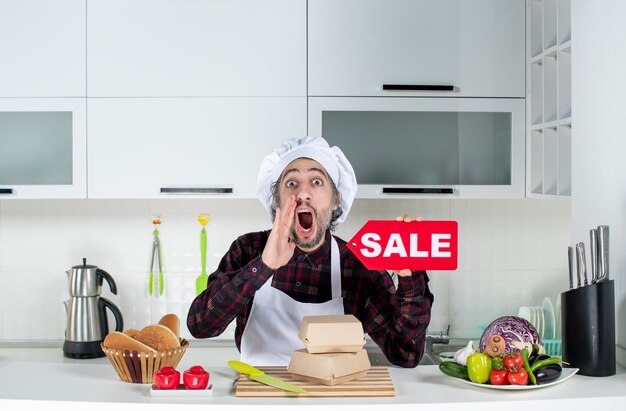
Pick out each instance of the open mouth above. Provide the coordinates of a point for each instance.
(305, 219)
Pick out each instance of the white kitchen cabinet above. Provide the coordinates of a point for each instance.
(549, 143)
(162, 148)
(42, 148)
(42, 48)
(427, 147)
(160, 48)
(357, 46)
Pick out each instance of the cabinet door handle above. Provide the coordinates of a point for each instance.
(6, 191)
(411, 190)
(196, 190)
(418, 87)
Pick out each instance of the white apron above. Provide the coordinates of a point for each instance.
(271, 333)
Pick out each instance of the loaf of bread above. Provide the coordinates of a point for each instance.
(119, 341)
(158, 337)
(131, 332)
(172, 322)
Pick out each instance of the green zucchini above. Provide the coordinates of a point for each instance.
(454, 370)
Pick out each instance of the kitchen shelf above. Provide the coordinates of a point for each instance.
(536, 80)
(550, 85)
(564, 78)
(550, 167)
(565, 160)
(549, 101)
(557, 123)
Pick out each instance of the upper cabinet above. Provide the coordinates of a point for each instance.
(185, 97)
(193, 48)
(42, 48)
(42, 148)
(427, 147)
(388, 48)
(549, 142)
(42, 99)
(181, 147)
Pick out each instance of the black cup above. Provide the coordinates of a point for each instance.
(588, 328)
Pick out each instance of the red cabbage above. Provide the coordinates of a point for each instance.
(511, 328)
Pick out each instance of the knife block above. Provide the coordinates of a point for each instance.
(588, 328)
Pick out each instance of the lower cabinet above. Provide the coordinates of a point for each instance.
(179, 147)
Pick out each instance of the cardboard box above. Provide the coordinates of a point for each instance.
(332, 333)
(329, 369)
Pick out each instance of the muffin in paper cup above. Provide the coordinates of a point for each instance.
(139, 367)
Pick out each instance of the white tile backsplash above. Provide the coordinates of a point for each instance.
(511, 253)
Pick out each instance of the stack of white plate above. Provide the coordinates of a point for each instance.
(542, 318)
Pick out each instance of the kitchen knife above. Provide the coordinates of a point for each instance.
(570, 260)
(593, 236)
(603, 253)
(259, 376)
(581, 264)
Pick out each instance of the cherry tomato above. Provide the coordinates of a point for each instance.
(514, 361)
(518, 378)
(498, 377)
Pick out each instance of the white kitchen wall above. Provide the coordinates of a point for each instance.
(511, 253)
(599, 139)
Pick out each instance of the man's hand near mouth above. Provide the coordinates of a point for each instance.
(279, 248)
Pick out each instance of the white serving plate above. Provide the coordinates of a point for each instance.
(565, 375)
(181, 392)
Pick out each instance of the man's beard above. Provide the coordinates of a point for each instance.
(322, 221)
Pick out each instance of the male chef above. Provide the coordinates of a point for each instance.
(269, 280)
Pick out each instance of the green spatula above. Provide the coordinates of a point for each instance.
(201, 281)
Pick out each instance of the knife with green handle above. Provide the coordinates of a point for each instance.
(259, 376)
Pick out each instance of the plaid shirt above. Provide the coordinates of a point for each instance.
(395, 319)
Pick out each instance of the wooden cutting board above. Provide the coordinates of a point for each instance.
(377, 383)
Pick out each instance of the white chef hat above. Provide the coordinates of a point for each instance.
(332, 159)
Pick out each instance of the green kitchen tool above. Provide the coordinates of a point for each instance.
(259, 376)
(156, 256)
(201, 281)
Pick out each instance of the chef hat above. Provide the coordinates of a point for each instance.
(332, 159)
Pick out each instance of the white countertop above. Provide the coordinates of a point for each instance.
(43, 377)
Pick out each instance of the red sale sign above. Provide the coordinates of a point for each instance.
(396, 245)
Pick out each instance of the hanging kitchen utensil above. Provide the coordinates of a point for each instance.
(156, 256)
(201, 281)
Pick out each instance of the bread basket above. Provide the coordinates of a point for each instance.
(139, 367)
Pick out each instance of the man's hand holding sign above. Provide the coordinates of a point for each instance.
(407, 245)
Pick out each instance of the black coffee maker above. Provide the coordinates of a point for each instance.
(87, 322)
